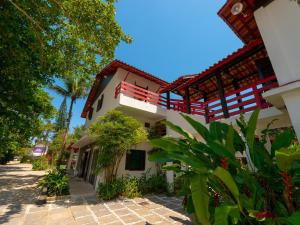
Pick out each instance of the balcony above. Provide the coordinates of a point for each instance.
(242, 100)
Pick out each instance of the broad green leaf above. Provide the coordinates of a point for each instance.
(283, 140)
(222, 214)
(160, 157)
(220, 150)
(250, 133)
(295, 218)
(201, 129)
(228, 180)
(180, 130)
(285, 158)
(229, 140)
(217, 130)
(174, 167)
(200, 198)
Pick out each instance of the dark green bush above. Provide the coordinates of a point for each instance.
(56, 182)
(26, 159)
(131, 187)
(40, 163)
(155, 183)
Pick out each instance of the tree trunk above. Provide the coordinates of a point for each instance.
(60, 158)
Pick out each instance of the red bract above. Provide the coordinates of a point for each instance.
(261, 215)
(286, 180)
(224, 163)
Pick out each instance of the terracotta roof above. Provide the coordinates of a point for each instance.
(243, 24)
(240, 66)
(110, 69)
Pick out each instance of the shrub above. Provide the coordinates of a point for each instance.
(40, 163)
(108, 191)
(56, 182)
(131, 187)
(155, 183)
(26, 159)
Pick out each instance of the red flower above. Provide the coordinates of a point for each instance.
(262, 215)
(224, 163)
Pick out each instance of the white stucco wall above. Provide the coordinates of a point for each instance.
(278, 23)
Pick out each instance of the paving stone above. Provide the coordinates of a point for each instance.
(108, 219)
(154, 219)
(85, 220)
(130, 218)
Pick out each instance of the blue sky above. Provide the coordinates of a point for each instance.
(170, 38)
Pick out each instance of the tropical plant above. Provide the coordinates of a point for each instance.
(115, 133)
(222, 191)
(40, 163)
(73, 88)
(56, 182)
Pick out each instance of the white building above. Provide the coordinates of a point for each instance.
(265, 74)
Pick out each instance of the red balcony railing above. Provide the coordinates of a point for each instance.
(242, 100)
(239, 101)
(157, 99)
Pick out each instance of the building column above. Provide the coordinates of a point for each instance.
(292, 103)
(222, 95)
(187, 100)
(168, 100)
(170, 178)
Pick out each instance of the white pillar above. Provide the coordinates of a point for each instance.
(170, 178)
(278, 23)
(292, 102)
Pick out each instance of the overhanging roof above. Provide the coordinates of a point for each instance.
(243, 24)
(239, 68)
(111, 69)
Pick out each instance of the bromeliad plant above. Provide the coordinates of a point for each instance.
(220, 189)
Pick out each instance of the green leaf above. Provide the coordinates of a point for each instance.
(295, 218)
(285, 158)
(181, 131)
(250, 133)
(200, 198)
(201, 129)
(160, 157)
(223, 212)
(283, 140)
(229, 140)
(228, 180)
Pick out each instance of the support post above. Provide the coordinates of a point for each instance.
(168, 100)
(222, 95)
(206, 111)
(236, 87)
(187, 101)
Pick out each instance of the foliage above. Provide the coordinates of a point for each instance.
(220, 190)
(131, 187)
(40, 163)
(25, 155)
(74, 88)
(155, 183)
(115, 133)
(61, 117)
(42, 40)
(56, 182)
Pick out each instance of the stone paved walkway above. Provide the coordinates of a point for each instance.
(17, 205)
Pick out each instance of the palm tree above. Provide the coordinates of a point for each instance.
(73, 88)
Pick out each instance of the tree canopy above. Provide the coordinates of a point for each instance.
(115, 134)
(41, 40)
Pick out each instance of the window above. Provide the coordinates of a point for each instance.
(147, 125)
(135, 160)
(90, 113)
(100, 102)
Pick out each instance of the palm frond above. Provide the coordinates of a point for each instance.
(59, 90)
